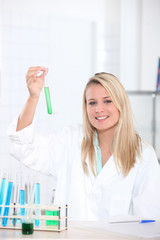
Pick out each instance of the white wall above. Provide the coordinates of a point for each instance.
(108, 40)
(65, 36)
(84, 9)
(140, 39)
(150, 45)
(130, 35)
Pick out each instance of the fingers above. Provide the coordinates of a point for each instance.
(35, 79)
(36, 72)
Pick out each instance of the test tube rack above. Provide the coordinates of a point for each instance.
(61, 218)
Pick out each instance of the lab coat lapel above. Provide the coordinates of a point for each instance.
(106, 174)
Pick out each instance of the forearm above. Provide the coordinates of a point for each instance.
(27, 115)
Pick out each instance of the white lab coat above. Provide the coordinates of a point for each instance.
(89, 197)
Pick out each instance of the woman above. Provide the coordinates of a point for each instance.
(103, 168)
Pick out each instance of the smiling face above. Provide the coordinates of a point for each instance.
(102, 113)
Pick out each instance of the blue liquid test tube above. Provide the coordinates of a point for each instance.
(2, 190)
(7, 203)
(37, 202)
(22, 202)
(22, 195)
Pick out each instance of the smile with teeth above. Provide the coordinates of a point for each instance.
(102, 118)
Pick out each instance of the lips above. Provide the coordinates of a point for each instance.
(102, 118)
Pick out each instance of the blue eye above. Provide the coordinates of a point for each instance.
(108, 101)
(92, 103)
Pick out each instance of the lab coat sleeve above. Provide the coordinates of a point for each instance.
(41, 153)
(146, 195)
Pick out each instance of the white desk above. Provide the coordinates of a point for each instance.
(76, 230)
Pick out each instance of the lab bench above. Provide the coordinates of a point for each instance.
(82, 230)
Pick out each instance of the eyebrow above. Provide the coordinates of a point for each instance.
(94, 98)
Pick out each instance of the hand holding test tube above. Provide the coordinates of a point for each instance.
(35, 79)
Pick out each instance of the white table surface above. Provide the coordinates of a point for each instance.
(76, 230)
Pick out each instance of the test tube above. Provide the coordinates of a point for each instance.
(48, 99)
(52, 213)
(37, 202)
(47, 94)
(2, 190)
(15, 200)
(27, 225)
(7, 202)
(22, 196)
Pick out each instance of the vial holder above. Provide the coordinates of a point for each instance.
(58, 222)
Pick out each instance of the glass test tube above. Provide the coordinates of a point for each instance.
(22, 196)
(7, 202)
(37, 202)
(2, 190)
(47, 96)
(52, 213)
(27, 225)
(15, 199)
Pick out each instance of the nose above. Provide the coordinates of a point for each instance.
(99, 108)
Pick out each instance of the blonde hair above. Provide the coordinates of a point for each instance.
(126, 142)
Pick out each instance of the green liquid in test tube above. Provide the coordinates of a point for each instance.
(52, 213)
(48, 99)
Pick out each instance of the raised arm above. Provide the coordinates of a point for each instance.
(35, 84)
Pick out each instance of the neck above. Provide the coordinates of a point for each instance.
(105, 143)
(105, 138)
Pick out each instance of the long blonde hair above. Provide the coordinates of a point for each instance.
(126, 142)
